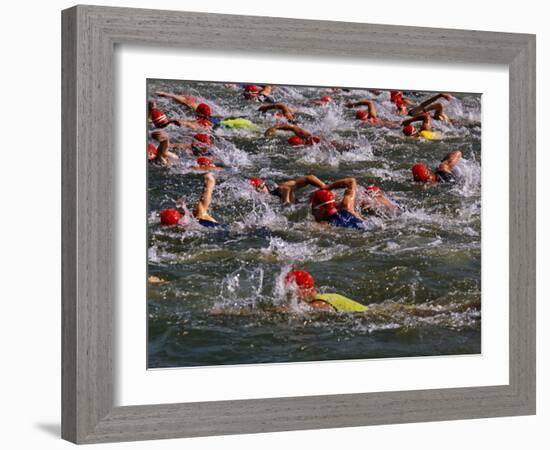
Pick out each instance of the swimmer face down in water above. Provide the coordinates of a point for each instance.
(300, 136)
(325, 209)
(370, 115)
(425, 129)
(258, 93)
(443, 173)
(286, 190)
(302, 285)
(372, 200)
(200, 212)
(199, 145)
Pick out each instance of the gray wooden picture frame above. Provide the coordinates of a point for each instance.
(90, 34)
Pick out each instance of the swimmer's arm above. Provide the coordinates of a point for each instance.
(281, 107)
(448, 163)
(201, 210)
(321, 305)
(350, 184)
(369, 103)
(182, 99)
(424, 117)
(193, 124)
(281, 126)
(162, 150)
(287, 188)
(439, 114)
(433, 99)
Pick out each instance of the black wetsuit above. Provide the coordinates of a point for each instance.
(445, 177)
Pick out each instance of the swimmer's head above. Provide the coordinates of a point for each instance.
(361, 115)
(301, 282)
(295, 140)
(396, 95)
(323, 204)
(251, 91)
(201, 142)
(373, 191)
(151, 152)
(170, 216)
(159, 118)
(409, 130)
(203, 111)
(312, 140)
(258, 184)
(421, 173)
(205, 163)
(326, 99)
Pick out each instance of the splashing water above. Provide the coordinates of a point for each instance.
(222, 293)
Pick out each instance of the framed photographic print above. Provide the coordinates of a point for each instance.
(304, 218)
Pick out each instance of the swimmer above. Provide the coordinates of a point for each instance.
(286, 190)
(161, 154)
(400, 102)
(370, 116)
(302, 284)
(203, 113)
(201, 212)
(444, 172)
(426, 130)
(325, 210)
(260, 94)
(160, 120)
(199, 146)
(205, 163)
(282, 108)
(301, 136)
(372, 200)
(430, 105)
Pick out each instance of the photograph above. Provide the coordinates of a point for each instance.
(292, 224)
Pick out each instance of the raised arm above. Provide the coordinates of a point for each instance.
(187, 100)
(350, 193)
(288, 188)
(201, 210)
(424, 117)
(422, 106)
(279, 106)
(450, 160)
(287, 127)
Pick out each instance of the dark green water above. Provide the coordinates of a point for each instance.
(418, 271)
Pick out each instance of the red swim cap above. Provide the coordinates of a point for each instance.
(151, 152)
(396, 95)
(251, 88)
(326, 99)
(421, 172)
(170, 216)
(203, 161)
(201, 137)
(361, 115)
(409, 130)
(256, 182)
(295, 140)
(302, 279)
(159, 118)
(312, 140)
(373, 191)
(203, 110)
(322, 197)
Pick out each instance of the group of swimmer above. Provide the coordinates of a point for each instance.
(326, 208)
